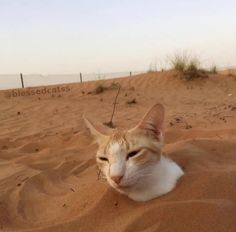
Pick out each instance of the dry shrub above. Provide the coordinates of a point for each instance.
(101, 87)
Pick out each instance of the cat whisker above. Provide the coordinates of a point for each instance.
(100, 175)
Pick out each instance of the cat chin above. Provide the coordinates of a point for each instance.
(123, 186)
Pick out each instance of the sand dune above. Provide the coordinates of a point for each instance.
(228, 72)
(48, 175)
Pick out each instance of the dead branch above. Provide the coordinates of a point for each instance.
(110, 123)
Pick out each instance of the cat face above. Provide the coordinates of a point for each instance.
(126, 157)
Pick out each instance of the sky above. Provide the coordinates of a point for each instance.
(71, 36)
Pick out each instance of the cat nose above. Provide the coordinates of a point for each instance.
(116, 179)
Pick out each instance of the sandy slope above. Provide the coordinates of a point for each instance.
(48, 178)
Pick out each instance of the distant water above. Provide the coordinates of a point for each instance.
(14, 81)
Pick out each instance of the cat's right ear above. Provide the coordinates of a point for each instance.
(153, 121)
(96, 133)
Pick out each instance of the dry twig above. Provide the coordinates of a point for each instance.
(110, 123)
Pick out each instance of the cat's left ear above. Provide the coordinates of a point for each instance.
(96, 133)
(153, 121)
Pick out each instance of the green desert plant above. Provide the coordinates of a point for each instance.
(213, 69)
(188, 65)
(179, 61)
(152, 67)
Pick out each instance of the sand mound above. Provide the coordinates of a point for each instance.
(48, 177)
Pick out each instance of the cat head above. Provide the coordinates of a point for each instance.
(125, 157)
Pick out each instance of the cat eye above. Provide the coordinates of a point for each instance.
(132, 154)
(103, 159)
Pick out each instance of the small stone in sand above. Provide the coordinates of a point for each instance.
(133, 101)
(115, 203)
(171, 124)
(188, 127)
(4, 147)
(178, 120)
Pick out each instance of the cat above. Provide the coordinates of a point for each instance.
(132, 160)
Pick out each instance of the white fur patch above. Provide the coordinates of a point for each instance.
(114, 148)
(162, 180)
(117, 169)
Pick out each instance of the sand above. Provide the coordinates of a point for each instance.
(48, 175)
